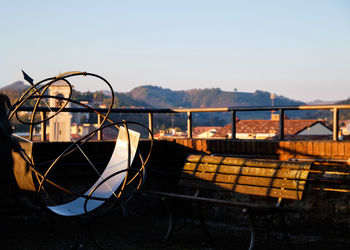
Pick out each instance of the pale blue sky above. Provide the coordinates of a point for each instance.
(299, 49)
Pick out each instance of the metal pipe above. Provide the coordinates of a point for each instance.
(233, 125)
(281, 124)
(99, 132)
(150, 123)
(185, 110)
(189, 124)
(335, 124)
(233, 110)
(347, 161)
(43, 126)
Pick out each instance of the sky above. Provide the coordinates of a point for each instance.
(299, 49)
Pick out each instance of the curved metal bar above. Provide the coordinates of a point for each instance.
(23, 99)
(52, 80)
(119, 161)
(33, 168)
(103, 183)
(37, 92)
(170, 221)
(252, 231)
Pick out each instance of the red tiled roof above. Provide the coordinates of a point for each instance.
(203, 129)
(291, 127)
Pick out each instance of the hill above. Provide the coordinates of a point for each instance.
(320, 102)
(328, 114)
(158, 97)
(16, 86)
(149, 96)
(14, 90)
(194, 98)
(215, 97)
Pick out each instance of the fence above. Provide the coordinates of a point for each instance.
(189, 111)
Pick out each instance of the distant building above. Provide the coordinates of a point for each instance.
(171, 133)
(269, 129)
(205, 131)
(60, 125)
(345, 128)
(81, 130)
(197, 132)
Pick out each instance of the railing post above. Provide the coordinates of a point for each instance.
(189, 124)
(281, 124)
(335, 124)
(43, 126)
(99, 132)
(233, 125)
(150, 123)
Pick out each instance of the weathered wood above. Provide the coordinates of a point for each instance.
(246, 180)
(246, 170)
(270, 178)
(225, 160)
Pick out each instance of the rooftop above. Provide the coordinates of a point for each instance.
(291, 127)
